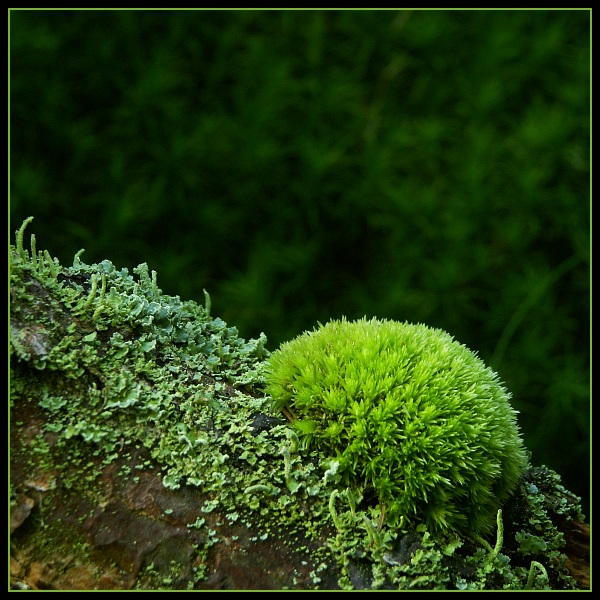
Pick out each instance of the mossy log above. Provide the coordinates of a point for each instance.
(144, 454)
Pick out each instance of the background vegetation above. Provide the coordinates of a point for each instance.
(429, 166)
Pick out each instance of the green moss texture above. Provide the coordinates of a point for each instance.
(409, 413)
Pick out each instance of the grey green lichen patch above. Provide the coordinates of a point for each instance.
(124, 372)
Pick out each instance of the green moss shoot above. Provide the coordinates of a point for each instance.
(410, 414)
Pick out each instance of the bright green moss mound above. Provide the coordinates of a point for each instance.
(409, 413)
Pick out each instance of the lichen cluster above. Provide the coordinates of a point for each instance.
(123, 371)
(409, 413)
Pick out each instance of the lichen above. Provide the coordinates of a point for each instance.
(122, 372)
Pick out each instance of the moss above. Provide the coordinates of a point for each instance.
(408, 413)
(116, 370)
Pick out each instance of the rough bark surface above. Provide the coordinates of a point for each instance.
(119, 537)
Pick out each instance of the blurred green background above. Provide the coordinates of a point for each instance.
(429, 166)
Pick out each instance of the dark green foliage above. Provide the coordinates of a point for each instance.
(409, 413)
(428, 166)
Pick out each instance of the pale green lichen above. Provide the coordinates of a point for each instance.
(145, 372)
